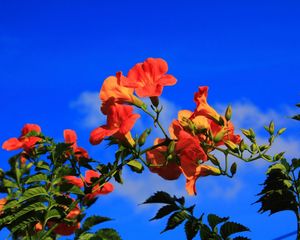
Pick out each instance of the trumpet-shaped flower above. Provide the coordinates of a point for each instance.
(148, 78)
(25, 142)
(200, 171)
(96, 190)
(112, 92)
(120, 120)
(168, 170)
(70, 136)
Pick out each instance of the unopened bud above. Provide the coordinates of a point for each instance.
(271, 127)
(171, 147)
(154, 101)
(231, 146)
(219, 136)
(143, 137)
(228, 113)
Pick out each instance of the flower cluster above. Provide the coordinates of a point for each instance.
(192, 136)
(146, 79)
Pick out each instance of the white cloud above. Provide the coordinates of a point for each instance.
(245, 115)
(88, 106)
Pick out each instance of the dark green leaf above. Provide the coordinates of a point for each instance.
(164, 211)
(33, 192)
(37, 178)
(9, 184)
(106, 234)
(229, 228)
(175, 220)
(206, 233)
(191, 228)
(66, 187)
(160, 197)
(214, 220)
(90, 222)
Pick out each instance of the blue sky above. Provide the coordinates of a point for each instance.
(55, 55)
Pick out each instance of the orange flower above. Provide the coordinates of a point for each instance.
(157, 157)
(120, 121)
(71, 137)
(190, 153)
(112, 92)
(203, 108)
(89, 175)
(2, 203)
(27, 143)
(201, 171)
(64, 228)
(148, 78)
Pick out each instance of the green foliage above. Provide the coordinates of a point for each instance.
(193, 225)
(281, 188)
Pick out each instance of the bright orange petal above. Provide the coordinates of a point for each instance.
(74, 180)
(70, 136)
(98, 134)
(89, 174)
(30, 127)
(12, 144)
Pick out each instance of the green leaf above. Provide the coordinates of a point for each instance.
(206, 233)
(229, 228)
(191, 228)
(135, 166)
(36, 206)
(214, 220)
(164, 211)
(11, 204)
(54, 213)
(175, 220)
(118, 177)
(41, 165)
(33, 192)
(160, 197)
(9, 184)
(296, 117)
(37, 178)
(86, 236)
(90, 222)
(106, 234)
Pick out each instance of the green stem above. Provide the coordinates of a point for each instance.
(156, 121)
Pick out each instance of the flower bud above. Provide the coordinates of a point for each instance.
(228, 113)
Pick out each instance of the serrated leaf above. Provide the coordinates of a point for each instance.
(205, 233)
(90, 222)
(175, 220)
(33, 192)
(106, 234)
(164, 211)
(214, 220)
(36, 206)
(37, 178)
(160, 197)
(191, 228)
(229, 228)
(296, 117)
